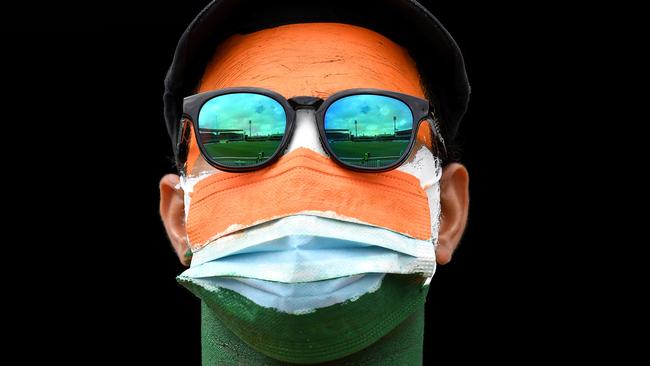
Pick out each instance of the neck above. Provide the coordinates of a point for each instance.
(402, 346)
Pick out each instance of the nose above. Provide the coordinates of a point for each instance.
(305, 132)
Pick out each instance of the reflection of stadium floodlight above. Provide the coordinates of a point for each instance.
(250, 128)
(356, 133)
(394, 124)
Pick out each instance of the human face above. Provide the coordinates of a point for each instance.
(313, 59)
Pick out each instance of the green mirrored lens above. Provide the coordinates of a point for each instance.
(241, 129)
(371, 131)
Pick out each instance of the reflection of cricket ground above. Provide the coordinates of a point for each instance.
(235, 147)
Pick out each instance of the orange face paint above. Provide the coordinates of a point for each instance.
(314, 59)
(424, 135)
(304, 181)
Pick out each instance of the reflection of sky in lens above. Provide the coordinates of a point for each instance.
(373, 113)
(233, 111)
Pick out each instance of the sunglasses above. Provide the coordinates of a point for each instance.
(247, 128)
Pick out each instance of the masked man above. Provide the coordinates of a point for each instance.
(318, 185)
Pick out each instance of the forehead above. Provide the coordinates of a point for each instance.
(315, 59)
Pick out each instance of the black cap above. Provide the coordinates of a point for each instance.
(406, 22)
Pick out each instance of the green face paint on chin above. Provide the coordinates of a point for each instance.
(402, 346)
(327, 334)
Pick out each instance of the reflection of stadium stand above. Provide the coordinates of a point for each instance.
(402, 135)
(213, 136)
(273, 137)
(339, 135)
(333, 134)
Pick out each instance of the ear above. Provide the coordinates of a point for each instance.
(172, 211)
(454, 202)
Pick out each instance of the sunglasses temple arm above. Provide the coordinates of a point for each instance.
(182, 144)
(434, 123)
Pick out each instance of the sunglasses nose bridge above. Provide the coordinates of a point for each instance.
(305, 102)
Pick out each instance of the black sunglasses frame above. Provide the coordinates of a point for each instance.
(421, 109)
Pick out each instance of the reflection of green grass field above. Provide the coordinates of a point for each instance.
(352, 149)
(242, 149)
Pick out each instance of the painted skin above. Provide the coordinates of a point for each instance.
(286, 60)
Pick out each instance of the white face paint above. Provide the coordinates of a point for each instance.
(427, 168)
(305, 133)
(187, 185)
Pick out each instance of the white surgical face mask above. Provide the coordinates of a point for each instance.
(300, 263)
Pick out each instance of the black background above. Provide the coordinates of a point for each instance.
(86, 86)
